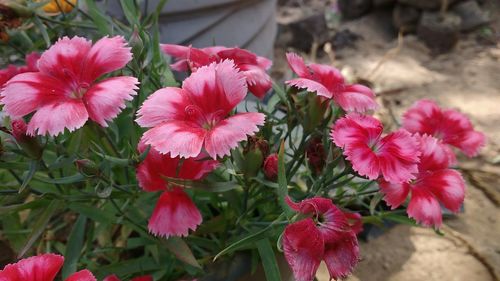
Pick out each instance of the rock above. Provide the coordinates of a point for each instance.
(302, 32)
(405, 17)
(426, 4)
(471, 15)
(344, 38)
(439, 32)
(352, 9)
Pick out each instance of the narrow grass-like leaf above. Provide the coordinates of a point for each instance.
(268, 260)
(64, 180)
(98, 18)
(29, 175)
(282, 182)
(74, 247)
(181, 251)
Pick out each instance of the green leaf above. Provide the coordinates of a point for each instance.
(181, 250)
(64, 180)
(23, 206)
(43, 30)
(374, 202)
(281, 93)
(400, 219)
(205, 186)
(268, 260)
(130, 11)
(282, 182)
(39, 226)
(100, 21)
(74, 247)
(29, 175)
(93, 212)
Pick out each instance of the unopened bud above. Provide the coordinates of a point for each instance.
(87, 167)
(271, 167)
(316, 156)
(28, 144)
(136, 43)
(254, 153)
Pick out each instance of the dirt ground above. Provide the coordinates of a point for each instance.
(468, 78)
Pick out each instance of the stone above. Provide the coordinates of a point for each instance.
(352, 9)
(440, 32)
(471, 14)
(405, 17)
(302, 32)
(426, 4)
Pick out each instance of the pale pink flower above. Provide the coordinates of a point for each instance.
(448, 125)
(41, 268)
(65, 93)
(328, 82)
(435, 183)
(175, 213)
(326, 236)
(252, 66)
(394, 156)
(185, 121)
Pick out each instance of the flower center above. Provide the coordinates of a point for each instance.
(79, 90)
(204, 120)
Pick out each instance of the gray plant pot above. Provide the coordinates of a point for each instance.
(249, 24)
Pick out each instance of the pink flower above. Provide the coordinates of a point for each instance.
(326, 236)
(31, 66)
(252, 66)
(140, 278)
(394, 156)
(355, 221)
(451, 126)
(65, 93)
(328, 82)
(435, 183)
(175, 213)
(193, 118)
(270, 167)
(40, 268)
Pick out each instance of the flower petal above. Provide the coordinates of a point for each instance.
(298, 65)
(399, 156)
(105, 56)
(163, 105)
(435, 154)
(448, 186)
(174, 215)
(356, 98)
(470, 142)
(143, 278)
(304, 247)
(176, 51)
(394, 193)
(65, 58)
(83, 275)
(424, 207)
(177, 138)
(25, 92)
(111, 278)
(311, 86)
(37, 268)
(216, 87)
(54, 118)
(106, 99)
(230, 131)
(341, 256)
(258, 80)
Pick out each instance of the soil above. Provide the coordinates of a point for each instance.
(467, 78)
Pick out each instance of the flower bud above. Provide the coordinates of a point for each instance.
(28, 144)
(316, 156)
(87, 167)
(254, 153)
(316, 107)
(136, 43)
(271, 167)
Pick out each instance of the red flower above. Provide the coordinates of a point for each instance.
(448, 125)
(40, 268)
(435, 183)
(31, 66)
(175, 213)
(64, 93)
(326, 236)
(252, 66)
(328, 82)
(395, 156)
(140, 278)
(186, 120)
(355, 221)
(270, 167)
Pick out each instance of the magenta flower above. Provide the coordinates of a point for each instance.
(435, 183)
(328, 82)
(175, 213)
(185, 121)
(252, 66)
(451, 126)
(270, 167)
(65, 93)
(326, 236)
(41, 268)
(140, 278)
(31, 66)
(394, 156)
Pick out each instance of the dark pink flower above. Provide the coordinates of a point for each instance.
(355, 221)
(65, 93)
(252, 66)
(394, 156)
(11, 70)
(185, 121)
(435, 183)
(325, 236)
(175, 213)
(448, 125)
(40, 268)
(328, 82)
(270, 167)
(140, 278)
